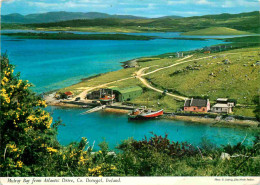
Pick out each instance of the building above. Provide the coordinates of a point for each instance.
(127, 94)
(197, 105)
(131, 63)
(99, 93)
(223, 105)
(179, 54)
(121, 94)
(68, 94)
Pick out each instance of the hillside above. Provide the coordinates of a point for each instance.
(229, 75)
(248, 22)
(59, 16)
(233, 74)
(217, 31)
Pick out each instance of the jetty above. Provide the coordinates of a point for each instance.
(95, 109)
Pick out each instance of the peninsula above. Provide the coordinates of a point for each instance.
(168, 79)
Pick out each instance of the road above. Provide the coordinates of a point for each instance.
(140, 73)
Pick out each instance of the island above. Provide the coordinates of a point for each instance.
(72, 36)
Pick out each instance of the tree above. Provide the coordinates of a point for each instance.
(25, 132)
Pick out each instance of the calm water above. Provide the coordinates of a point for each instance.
(116, 127)
(53, 64)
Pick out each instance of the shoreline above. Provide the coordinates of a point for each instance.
(242, 124)
(237, 123)
(201, 120)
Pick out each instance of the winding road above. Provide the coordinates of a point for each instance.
(140, 73)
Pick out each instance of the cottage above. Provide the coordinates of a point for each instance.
(223, 105)
(68, 94)
(197, 105)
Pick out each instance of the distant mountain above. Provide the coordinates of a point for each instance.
(230, 16)
(59, 16)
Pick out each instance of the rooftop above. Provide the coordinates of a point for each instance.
(222, 99)
(220, 105)
(196, 103)
(68, 93)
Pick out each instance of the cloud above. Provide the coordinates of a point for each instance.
(177, 2)
(237, 3)
(185, 13)
(68, 4)
(150, 6)
(204, 2)
(9, 1)
(228, 4)
(217, 3)
(249, 3)
(42, 4)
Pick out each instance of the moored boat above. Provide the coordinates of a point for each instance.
(107, 98)
(145, 114)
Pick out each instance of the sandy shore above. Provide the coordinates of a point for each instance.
(112, 110)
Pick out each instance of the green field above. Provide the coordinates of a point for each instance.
(238, 78)
(216, 31)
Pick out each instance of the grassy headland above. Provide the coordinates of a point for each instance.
(217, 31)
(72, 36)
(247, 39)
(233, 74)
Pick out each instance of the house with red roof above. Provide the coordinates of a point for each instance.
(197, 105)
(68, 94)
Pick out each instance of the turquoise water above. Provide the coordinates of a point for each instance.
(53, 64)
(116, 127)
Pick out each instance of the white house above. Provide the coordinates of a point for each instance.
(223, 105)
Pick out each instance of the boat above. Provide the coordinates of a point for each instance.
(145, 114)
(107, 98)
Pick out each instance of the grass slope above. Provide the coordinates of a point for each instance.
(216, 31)
(238, 79)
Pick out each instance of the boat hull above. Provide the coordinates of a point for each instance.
(150, 115)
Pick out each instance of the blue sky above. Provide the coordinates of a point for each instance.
(147, 8)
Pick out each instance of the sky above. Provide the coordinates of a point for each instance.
(146, 8)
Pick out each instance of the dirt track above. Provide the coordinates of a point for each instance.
(140, 73)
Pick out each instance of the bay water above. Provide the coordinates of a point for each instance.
(54, 64)
(115, 127)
